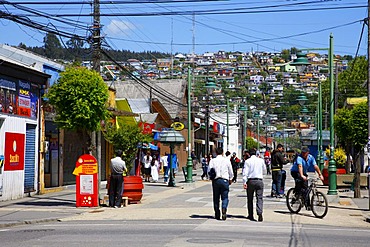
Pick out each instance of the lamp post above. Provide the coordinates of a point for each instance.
(332, 167)
(171, 138)
(244, 133)
(210, 86)
(189, 163)
(257, 116)
(227, 124)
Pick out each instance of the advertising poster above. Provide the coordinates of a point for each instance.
(8, 99)
(18, 97)
(24, 99)
(14, 151)
(86, 184)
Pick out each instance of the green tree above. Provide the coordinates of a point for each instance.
(53, 48)
(351, 82)
(80, 100)
(251, 143)
(351, 128)
(126, 138)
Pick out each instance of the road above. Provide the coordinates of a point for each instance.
(190, 232)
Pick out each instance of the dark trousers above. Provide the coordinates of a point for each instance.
(300, 185)
(115, 190)
(220, 188)
(205, 169)
(255, 187)
(165, 170)
(276, 181)
(235, 171)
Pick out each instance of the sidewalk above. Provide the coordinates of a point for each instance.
(180, 202)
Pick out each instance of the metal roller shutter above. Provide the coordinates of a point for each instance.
(29, 166)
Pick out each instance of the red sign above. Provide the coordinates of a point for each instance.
(146, 127)
(14, 151)
(86, 172)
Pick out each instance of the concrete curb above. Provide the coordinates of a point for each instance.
(28, 222)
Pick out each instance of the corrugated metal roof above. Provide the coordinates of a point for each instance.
(132, 90)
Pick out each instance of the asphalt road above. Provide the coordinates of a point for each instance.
(191, 232)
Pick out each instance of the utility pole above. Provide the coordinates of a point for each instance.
(368, 81)
(96, 137)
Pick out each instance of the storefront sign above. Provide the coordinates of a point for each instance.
(14, 151)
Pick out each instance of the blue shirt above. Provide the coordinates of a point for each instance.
(306, 164)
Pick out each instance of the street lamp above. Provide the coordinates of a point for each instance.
(257, 116)
(332, 169)
(244, 133)
(171, 138)
(189, 163)
(210, 86)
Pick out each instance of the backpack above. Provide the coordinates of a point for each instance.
(212, 174)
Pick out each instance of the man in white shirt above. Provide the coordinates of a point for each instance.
(220, 185)
(164, 164)
(254, 168)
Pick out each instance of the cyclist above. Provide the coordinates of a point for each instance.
(304, 162)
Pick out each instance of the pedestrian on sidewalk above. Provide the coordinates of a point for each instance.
(277, 162)
(164, 164)
(147, 160)
(221, 183)
(235, 165)
(154, 166)
(267, 157)
(117, 167)
(254, 168)
(205, 162)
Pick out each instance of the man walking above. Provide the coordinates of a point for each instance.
(164, 164)
(277, 162)
(252, 179)
(221, 183)
(235, 165)
(117, 166)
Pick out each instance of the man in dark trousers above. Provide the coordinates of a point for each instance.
(221, 182)
(235, 165)
(254, 168)
(277, 162)
(117, 166)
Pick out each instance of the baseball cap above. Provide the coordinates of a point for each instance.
(305, 149)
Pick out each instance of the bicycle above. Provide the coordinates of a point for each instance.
(318, 201)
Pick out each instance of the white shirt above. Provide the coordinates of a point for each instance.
(253, 168)
(222, 167)
(147, 161)
(164, 161)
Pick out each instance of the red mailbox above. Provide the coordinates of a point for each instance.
(86, 173)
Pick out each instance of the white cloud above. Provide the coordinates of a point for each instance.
(117, 27)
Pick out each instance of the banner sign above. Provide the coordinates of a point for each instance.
(14, 151)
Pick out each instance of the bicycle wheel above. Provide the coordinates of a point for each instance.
(294, 204)
(319, 204)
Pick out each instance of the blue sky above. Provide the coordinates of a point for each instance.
(270, 25)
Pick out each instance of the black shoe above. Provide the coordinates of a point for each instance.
(224, 214)
(217, 215)
(260, 218)
(251, 218)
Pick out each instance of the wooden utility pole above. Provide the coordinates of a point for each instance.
(96, 136)
(368, 78)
